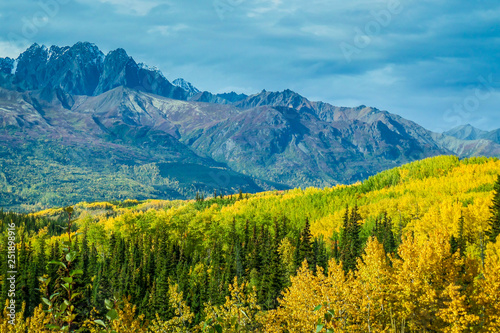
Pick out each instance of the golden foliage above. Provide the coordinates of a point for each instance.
(238, 314)
(183, 315)
(35, 323)
(489, 288)
(424, 288)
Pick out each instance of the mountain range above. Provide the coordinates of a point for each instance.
(76, 124)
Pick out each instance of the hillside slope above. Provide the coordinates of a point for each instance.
(419, 197)
(407, 238)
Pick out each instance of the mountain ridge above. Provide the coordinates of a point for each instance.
(76, 101)
(468, 132)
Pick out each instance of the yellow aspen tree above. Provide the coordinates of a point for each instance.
(457, 313)
(370, 291)
(238, 314)
(308, 292)
(422, 272)
(183, 315)
(489, 289)
(128, 321)
(19, 323)
(296, 310)
(286, 251)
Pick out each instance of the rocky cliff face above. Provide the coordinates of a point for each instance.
(82, 70)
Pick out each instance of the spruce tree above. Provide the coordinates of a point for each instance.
(336, 250)
(245, 247)
(296, 254)
(495, 213)
(453, 244)
(345, 242)
(355, 230)
(461, 242)
(3, 266)
(320, 254)
(306, 250)
(388, 241)
(350, 242)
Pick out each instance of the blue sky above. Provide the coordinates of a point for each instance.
(434, 62)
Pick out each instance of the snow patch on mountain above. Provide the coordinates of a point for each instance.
(187, 86)
(153, 69)
(14, 67)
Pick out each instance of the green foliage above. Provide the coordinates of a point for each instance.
(43, 174)
(61, 304)
(138, 249)
(381, 180)
(385, 235)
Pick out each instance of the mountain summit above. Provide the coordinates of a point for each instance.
(466, 132)
(82, 69)
(187, 86)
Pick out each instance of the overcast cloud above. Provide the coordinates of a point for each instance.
(434, 62)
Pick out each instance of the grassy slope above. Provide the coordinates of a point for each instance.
(40, 175)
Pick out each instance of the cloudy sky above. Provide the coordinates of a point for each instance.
(434, 62)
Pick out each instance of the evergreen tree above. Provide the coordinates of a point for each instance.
(55, 255)
(296, 254)
(345, 241)
(272, 272)
(453, 244)
(355, 230)
(320, 254)
(461, 242)
(245, 247)
(494, 221)
(350, 242)
(387, 238)
(3, 265)
(336, 253)
(305, 249)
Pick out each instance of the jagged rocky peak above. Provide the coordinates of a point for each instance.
(84, 53)
(118, 55)
(55, 52)
(151, 69)
(118, 70)
(6, 65)
(187, 86)
(34, 54)
(233, 97)
(82, 69)
(35, 49)
(286, 97)
(86, 47)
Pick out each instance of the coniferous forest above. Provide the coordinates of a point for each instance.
(412, 249)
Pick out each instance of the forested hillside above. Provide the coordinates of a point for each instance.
(412, 249)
